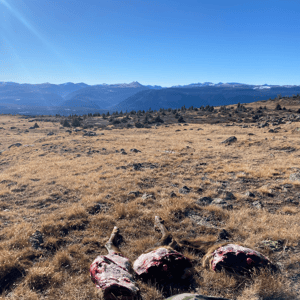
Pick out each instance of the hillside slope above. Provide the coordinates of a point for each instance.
(197, 96)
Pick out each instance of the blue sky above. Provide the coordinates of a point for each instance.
(165, 42)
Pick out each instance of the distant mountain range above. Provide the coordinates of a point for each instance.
(133, 96)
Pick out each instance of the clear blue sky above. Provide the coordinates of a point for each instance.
(165, 42)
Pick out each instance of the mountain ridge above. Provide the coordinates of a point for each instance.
(134, 95)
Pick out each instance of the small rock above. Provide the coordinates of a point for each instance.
(124, 153)
(199, 129)
(257, 204)
(95, 209)
(36, 240)
(137, 166)
(223, 235)
(148, 196)
(184, 190)
(90, 133)
(273, 245)
(134, 150)
(229, 140)
(229, 196)
(134, 193)
(50, 133)
(172, 194)
(204, 201)
(221, 203)
(249, 194)
(291, 201)
(199, 190)
(295, 177)
(15, 145)
(68, 131)
(218, 201)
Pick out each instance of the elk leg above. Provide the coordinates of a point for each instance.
(167, 238)
(111, 244)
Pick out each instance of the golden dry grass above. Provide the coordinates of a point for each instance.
(53, 185)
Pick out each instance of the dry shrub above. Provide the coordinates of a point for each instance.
(10, 269)
(40, 278)
(268, 286)
(290, 210)
(62, 259)
(216, 283)
(120, 211)
(76, 212)
(150, 291)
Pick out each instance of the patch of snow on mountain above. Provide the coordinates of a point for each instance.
(262, 87)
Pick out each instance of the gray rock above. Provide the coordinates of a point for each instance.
(184, 190)
(230, 140)
(148, 196)
(218, 201)
(172, 194)
(229, 196)
(221, 203)
(15, 145)
(204, 201)
(36, 240)
(249, 194)
(223, 235)
(50, 133)
(134, 193)
(134, 150)
(295, 177)
(199, 190)
(137, 166)
(89, 133)
(257, 204)
(97, 208)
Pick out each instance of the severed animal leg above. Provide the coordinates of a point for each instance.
(167, 238)
(111, 245)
